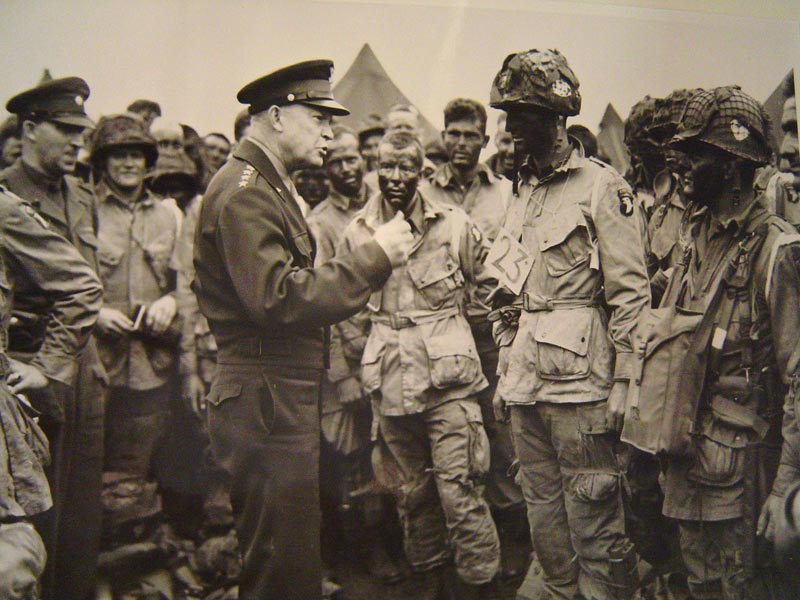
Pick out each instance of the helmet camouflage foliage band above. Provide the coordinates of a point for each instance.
(539, 79)
(728, 119)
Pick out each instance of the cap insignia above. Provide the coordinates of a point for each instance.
(290, 97)
(79, 100)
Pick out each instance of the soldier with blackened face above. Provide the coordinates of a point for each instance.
(571, 254)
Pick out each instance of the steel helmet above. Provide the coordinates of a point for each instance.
(117, 131)
(537, 78)
(728, 119)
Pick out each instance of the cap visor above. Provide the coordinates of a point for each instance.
(329, 105)
(79, 120)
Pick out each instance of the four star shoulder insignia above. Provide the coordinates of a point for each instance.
(246, 175)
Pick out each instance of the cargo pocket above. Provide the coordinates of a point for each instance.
(436, 276)
(718, 453)
(599, 477)
(109, 260)
(479, 456)
(562, 341)
(87, 238)
(372, 364)
(452, 359)
(564, 240)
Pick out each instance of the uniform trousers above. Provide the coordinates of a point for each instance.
(571, 484)
(264, 428)
(442, 453)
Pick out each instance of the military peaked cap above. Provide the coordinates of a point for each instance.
(59, 100)
(307, 82)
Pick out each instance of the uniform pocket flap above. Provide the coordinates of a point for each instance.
(722, 433)
(225, 391)
(435, 267)
(568, 329)
(592, 418)
(657, 326)
(455, 344)
(88, 237)
(554, 231)
(472, 410)
(452, 359)
(109, 257)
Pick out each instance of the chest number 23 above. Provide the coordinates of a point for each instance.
(509, 261)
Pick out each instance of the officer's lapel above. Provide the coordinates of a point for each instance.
(254, 155)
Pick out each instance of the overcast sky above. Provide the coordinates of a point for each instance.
(193, 56)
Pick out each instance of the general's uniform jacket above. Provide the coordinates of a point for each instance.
(254, 257)
(420, 352)
(584, 231)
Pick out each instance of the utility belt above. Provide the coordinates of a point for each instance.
(298, 351)
(537, 303)
(402, 320)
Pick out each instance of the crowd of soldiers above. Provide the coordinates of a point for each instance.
(238, 369)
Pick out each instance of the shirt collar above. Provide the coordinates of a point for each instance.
(445, 175)
(276, 161)
(39, 179)
(377, 212)
(574, 160)
(344, 203)
(106, 195)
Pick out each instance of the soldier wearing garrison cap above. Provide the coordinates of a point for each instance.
(269, 308)
(53, 124)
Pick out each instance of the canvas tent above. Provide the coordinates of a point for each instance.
(611, 140)
(774, 107)
(366, 89)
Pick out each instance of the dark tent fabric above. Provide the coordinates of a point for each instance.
(611, 140)
(366, 89)
(774, 107)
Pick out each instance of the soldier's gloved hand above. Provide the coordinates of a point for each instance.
(193, 393)
(25, 377)
(499, 407)
(396, 239)
(615, 410)
(768, 519)
(349, 391)
(160, 314)
(112, 321)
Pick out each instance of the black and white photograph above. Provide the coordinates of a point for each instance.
(399, 300)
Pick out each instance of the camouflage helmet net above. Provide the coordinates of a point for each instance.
(115, 131)
(639, 122)
(537, 78)
(668, 112)
(728, 119)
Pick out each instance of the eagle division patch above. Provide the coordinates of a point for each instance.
(625, 203)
